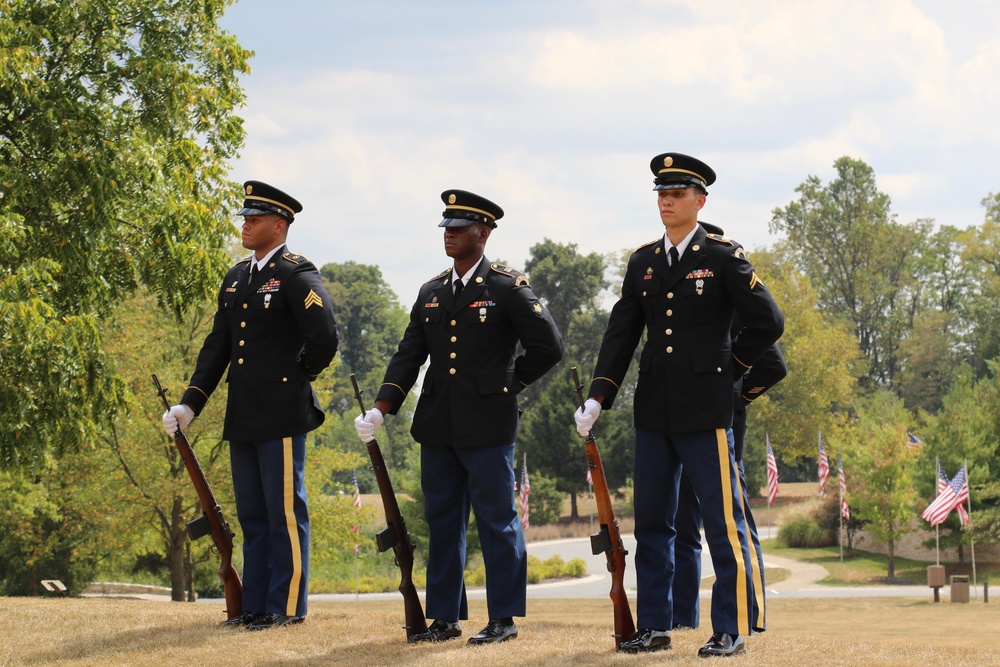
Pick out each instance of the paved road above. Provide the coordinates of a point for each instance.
(802, 583)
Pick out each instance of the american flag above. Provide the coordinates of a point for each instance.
(963, 496)
(824, 468)
(590, 478)
(912, 440)
(357, 505)
(772, 472)
(950, 498)
(845, 509)
(522, 496)
(943, 480)
(944, 483)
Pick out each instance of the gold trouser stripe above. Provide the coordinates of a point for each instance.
(293, 529)
(725, 488)
(755, 571)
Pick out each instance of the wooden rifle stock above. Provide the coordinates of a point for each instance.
(395, 535)
(608, 539)
(211, 522)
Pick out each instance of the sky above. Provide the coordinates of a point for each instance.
(366, 110)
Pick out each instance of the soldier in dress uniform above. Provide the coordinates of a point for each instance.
(469, 320)
(765, 373)
(683, 290)
(275, 332)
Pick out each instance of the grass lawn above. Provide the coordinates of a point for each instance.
(891, 632)
(865, 568)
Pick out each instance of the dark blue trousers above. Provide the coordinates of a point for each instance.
(453, 480)
(271, 505)
(707, 458)
(687, 547)
(687, 559)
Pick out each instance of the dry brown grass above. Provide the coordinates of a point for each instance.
(570, 633)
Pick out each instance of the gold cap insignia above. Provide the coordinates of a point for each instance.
(667, 161)
(249, 189)
(451, 199)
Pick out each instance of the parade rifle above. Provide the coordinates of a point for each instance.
(394, 536)
(211, 522)
(608, 539)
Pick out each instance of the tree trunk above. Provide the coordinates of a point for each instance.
(178, 538)
(573, 511)
(192, 594)
(892, 559)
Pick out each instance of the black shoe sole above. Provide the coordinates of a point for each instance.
(650, 649)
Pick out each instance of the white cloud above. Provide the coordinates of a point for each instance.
(554, 110)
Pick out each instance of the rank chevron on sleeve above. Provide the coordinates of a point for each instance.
(313, 299)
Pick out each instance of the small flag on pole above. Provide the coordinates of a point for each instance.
(912, 440)
(824, 468)
(772, 472)
(522, 496)
(590, 478)
(845, 509)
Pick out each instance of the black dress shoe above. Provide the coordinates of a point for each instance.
(244, 619)
(265, 621)
(495, 631)
(646, 640)
(439, 631)
(723, 644)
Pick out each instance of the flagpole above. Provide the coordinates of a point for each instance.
(972, 541)
(937, 527)
(840, 493)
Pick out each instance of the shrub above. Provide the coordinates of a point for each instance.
(804, 532)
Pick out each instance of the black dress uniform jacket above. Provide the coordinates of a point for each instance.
(275, 335)
(689, 361)
(468, 395)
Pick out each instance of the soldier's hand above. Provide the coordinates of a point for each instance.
(367, 424)
(586, 416)
(176, 417)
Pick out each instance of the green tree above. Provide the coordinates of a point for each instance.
(981, 259)
(881, 472)
(148, 470)
(843, 236)
(570, 285)
(117, 126)
(966, 430)
(816, 396)
(371, 322)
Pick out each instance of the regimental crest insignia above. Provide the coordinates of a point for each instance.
(537, 308)
(313, 299)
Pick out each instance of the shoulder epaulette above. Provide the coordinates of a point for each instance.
(646, 245)
(719, 238)
(439, 276)
(243, 261)
(519, 278)
(293, 258)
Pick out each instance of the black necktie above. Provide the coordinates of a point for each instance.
(253, 273)
(458, 287)
(674, 257)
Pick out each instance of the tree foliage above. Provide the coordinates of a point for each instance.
(881, 469)
(816, 396)
(116, 126)
(843, 236)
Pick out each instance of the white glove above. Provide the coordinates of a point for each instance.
(176, 417)
(586, 416)
(367, 424)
